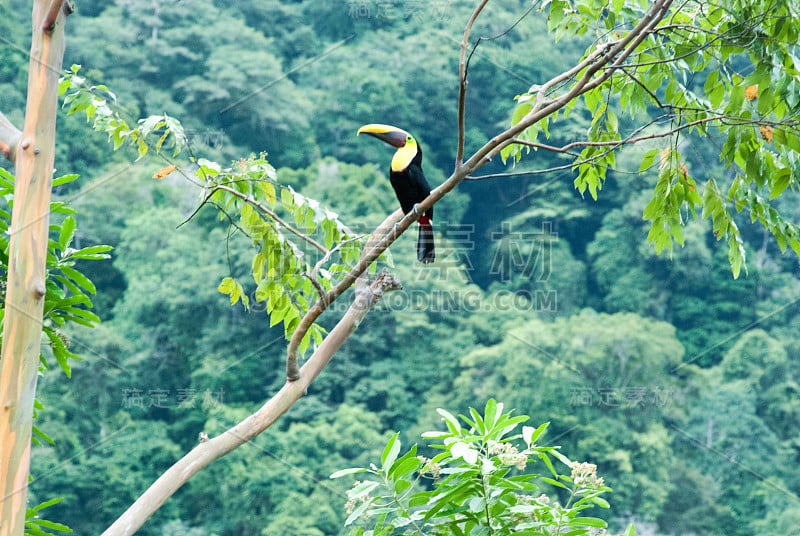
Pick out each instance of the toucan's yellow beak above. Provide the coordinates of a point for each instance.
(394, 136)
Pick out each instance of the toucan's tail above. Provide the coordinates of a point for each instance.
(425, 249)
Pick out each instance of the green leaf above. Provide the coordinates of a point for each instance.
(360, 509)
(405, 465)
(64, 179)
(553, 482)
(587, 522)
(362, 489)
(91, 253)
(52, 525)
(84, 282)
(60, 351)
(648, 159)
(226, 286)
(490, 413)
(269, 192)
(345, 472)
(67, 232)
(460, 449)
(46, 504)
(39, 434)
(450, 420)
(781, 180)
(390, 452)
(529, 435)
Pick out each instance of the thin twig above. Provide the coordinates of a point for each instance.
(611, 144)
(266, 210)
(462, 82)
(315, 271)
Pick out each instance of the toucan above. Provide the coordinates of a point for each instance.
(408, 181)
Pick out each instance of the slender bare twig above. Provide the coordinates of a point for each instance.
(611, 144)
(617, 143)
(317, 267)
(462, 82)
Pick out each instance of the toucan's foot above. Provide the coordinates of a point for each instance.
(415, 209)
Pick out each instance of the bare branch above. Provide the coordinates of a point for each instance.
(26, 277)
(462, 82)
(378, 241)
(9, 138)
(212, 449)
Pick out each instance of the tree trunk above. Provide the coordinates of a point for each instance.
(22, 328)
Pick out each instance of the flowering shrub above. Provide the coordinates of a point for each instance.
(480, 483)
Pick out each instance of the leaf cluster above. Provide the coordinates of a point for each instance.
(67, 300)
(704, 73)
(479, 483)
(301, 247)
(96, 103)
(286, 227)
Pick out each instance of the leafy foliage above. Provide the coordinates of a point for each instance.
(287, 282)
(475, 488)
(288, 277)
(698, 83)
(67, 298)
(67, 301)
(93, 101)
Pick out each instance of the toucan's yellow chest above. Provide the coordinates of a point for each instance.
(404, 155)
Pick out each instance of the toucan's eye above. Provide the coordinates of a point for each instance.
(409, 139)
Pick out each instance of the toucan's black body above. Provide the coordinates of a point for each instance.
(408, 181)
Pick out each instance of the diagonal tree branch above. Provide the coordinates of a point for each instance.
(209, 450)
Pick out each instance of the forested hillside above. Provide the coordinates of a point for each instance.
(678, 380)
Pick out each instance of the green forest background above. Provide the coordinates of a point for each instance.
(678, 381)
